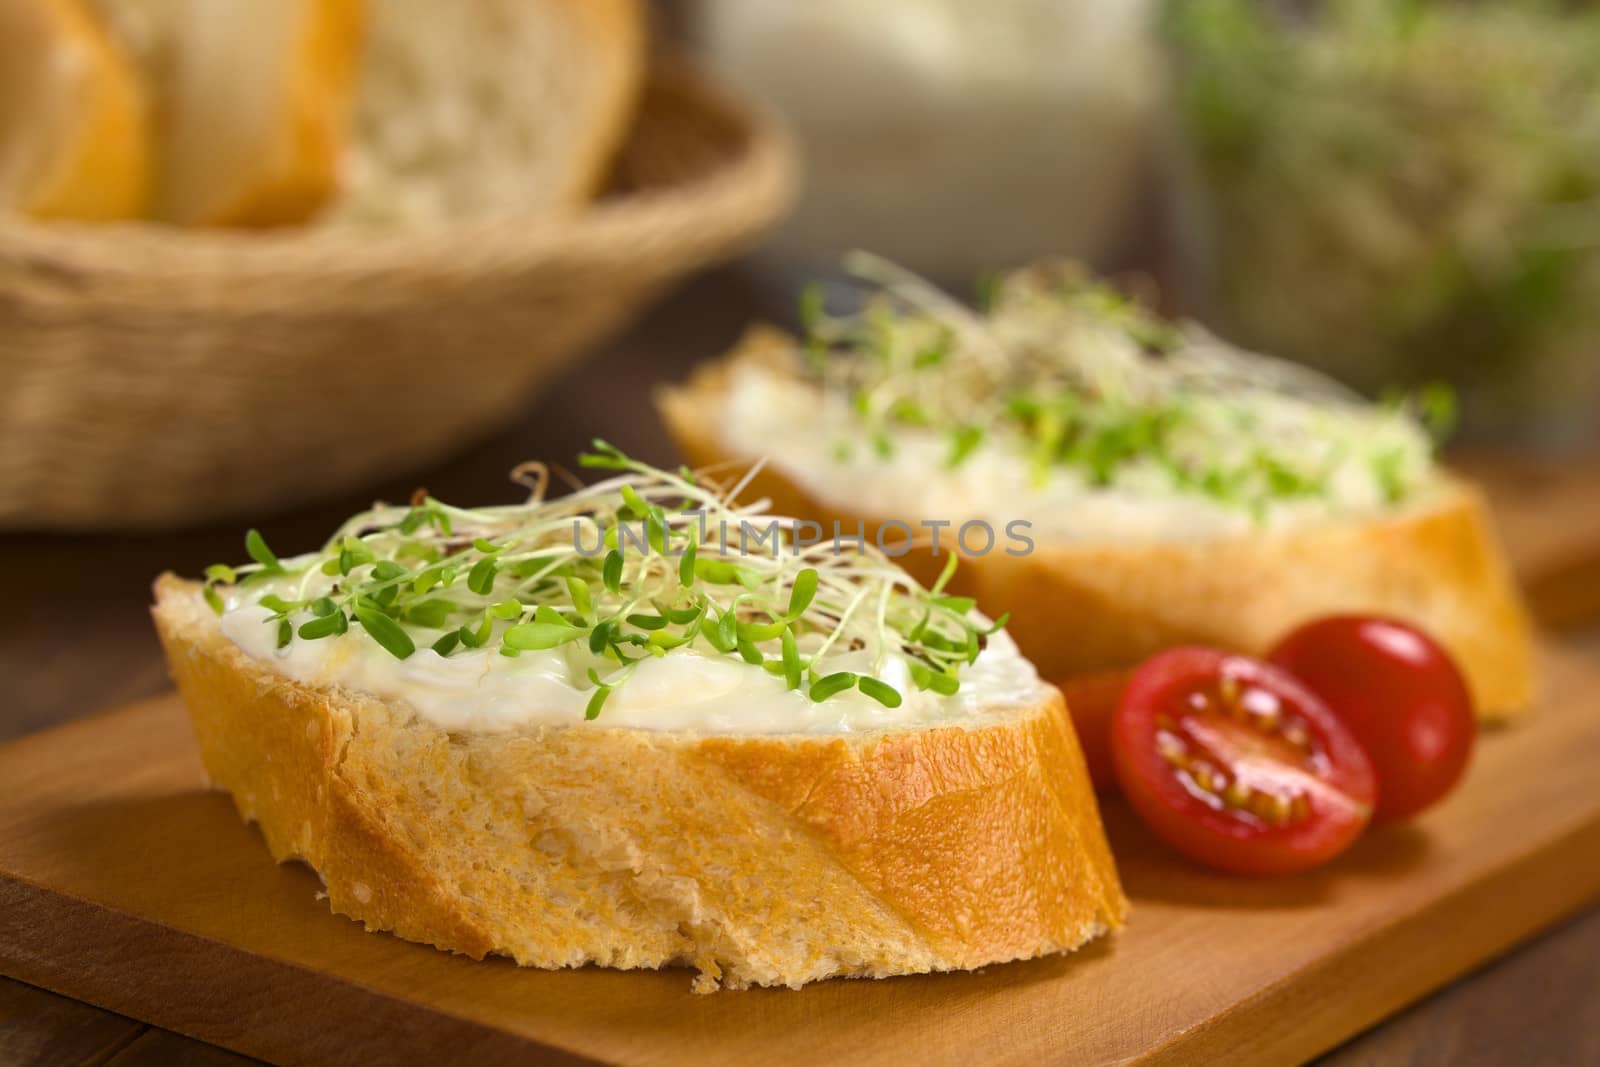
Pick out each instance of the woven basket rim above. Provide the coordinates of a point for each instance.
(767, 158)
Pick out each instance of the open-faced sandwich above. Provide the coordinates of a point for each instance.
(640, 726)
(1118, 484)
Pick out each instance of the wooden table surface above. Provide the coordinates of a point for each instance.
(77, 639)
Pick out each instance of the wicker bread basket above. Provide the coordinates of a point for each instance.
(150, 376)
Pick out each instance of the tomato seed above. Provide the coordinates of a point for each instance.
(1228, 687)
(1294, 731)
(1208, 777)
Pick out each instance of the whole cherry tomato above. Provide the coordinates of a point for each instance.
(1092, 701)
(1400, 694)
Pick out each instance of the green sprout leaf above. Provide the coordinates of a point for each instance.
(276, 604)
(938, 681)
(881, 691)
(686, 565)
(763, 631)
(426, 579)
(256, 546)
(221, 573)
(724, 636)
(656, 532)
(832, 685)
(432, 613)
(802, 592)
(964, 441)
(633, 503)
(578, 591)
(505, 610)
(537, 636)
(683, 616)
(792, 667)
(1439, 409)
(716, 571)
(481, 578)
(597, 699)
(384, 630)
(354, 553)
(605, 456)
(324, 626)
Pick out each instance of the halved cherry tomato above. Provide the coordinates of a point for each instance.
(1238, 765)
(1092, 701)
(1399, 693)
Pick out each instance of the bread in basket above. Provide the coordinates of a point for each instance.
(151, 375)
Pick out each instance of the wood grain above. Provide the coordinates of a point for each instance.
(1555, 978)
(37, 1027)
(158, 1048)
(124, 883)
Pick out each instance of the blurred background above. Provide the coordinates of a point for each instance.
(1394, 191)
(360, 237)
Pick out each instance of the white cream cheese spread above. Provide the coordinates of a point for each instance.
(815, 440)
(683, 690)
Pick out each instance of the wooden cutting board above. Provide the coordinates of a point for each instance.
(125, 883)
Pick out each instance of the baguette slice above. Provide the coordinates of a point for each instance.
(761, 860)
(1082, 609)
(491, 108)
(73, 127)
(254, 99)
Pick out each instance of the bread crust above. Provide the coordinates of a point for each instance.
(102, 171)
(762, 860)
(619, 29)
(1084, 608)
(317, 104)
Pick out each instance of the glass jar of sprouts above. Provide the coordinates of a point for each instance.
(1399, 191)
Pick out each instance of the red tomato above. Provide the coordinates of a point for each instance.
(1400, 694)
(1237, 765)
(1092, 701)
